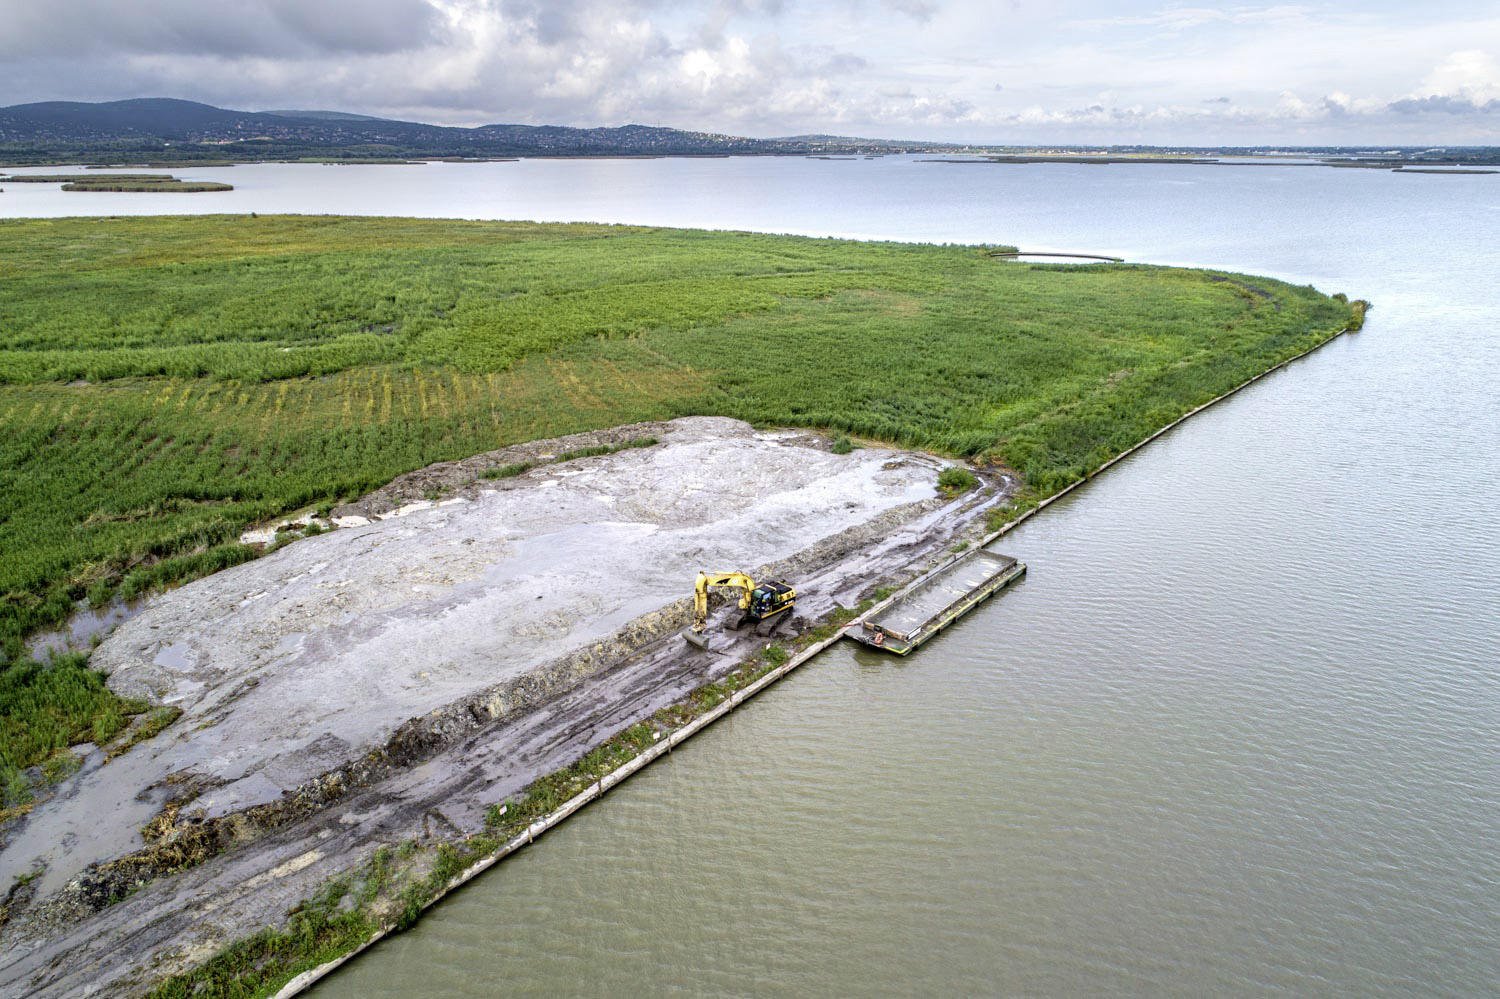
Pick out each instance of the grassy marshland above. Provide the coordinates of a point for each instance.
(164, 381)
(131, 182)
(169, 186)
(70, 178)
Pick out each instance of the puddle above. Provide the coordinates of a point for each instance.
(77, 635)
(175, 657)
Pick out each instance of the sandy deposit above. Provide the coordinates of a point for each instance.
(290, 665)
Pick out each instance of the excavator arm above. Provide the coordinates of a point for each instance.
(712, 580)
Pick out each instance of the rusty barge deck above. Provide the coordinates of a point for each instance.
(935, 601)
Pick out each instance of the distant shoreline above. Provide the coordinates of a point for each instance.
(1457, 167)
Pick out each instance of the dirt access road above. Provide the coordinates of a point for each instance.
(393, 678)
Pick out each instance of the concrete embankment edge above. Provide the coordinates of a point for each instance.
(306, 979)
(1011, 525)
(1008, 526)
(671, 740)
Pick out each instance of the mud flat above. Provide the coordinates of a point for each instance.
(392, 679)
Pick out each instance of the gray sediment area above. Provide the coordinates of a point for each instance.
(395, 677)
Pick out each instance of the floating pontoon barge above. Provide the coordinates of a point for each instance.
(935, 601)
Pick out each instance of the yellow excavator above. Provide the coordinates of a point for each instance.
(758, 602)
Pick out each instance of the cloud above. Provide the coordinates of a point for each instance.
(1470, 74)
(1438, 104)
(722, 66)
(896, 68)
(1466, 82)
(189, 27)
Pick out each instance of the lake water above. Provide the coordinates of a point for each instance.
(1238, 731)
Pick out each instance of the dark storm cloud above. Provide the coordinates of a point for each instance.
(192, 28)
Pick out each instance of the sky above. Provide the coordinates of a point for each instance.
(1347, 72)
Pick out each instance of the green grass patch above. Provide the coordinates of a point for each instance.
(60, 766)
(391, 890)
(549, 793)
(83, 178)
(156, 720)
(131, 182)
(953, 481)
(320, 929)
(603, 449)
(508, 471)
(46, 707)
(170, 185)
(521, 467)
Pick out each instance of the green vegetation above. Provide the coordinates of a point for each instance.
(355, 161)
(953, 481)
(166, 381)
(520, 467)
(45, 707)
(508, 471)
(156, 720)
(60, 765)
(169, 186)
(70, 178)
(1357, 309)
(547, 794)
(132, 182)
(331, 923)
(603, 449)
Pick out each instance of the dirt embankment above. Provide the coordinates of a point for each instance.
(393, 678)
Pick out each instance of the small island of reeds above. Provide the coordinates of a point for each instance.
(148, 183)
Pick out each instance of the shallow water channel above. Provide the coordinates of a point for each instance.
(1237, 731)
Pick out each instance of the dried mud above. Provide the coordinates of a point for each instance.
(392, 680)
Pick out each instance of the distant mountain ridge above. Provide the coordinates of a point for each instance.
(177, 129)
(170, 131)
(325, 115)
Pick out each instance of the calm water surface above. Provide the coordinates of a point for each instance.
(1238, 731)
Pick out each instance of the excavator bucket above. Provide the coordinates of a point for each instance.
(694, 639)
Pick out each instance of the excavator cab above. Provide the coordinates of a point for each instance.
(768, 600)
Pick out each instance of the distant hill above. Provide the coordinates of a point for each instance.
(150, 130)
(176, 130)
(324, 115)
